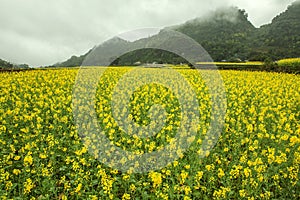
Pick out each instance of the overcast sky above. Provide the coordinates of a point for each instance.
(40, 32)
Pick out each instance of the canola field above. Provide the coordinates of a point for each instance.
(289, 62)
(257, 155)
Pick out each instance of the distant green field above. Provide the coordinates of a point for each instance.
(255, 63)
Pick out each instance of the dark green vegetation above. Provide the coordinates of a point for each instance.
(226, 34)
(281, 38)
(4, 65)
(148, 56)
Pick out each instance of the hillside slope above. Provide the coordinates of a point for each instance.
(225, 34)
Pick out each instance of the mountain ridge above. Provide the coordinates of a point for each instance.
(5, 65)
(226, 34)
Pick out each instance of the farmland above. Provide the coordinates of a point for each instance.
(257, 155)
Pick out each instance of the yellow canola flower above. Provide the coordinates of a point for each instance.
(28, 160)
(28, 186)
(220, 173)
(126, 196)
(156, 178)
(16, 171)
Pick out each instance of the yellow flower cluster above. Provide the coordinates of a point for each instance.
(156, 178)
(42, 155)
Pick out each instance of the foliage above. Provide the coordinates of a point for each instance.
(5, 65)
(149, 56)
(21, 66)
(290, 64)
(269, 64)
(281, 38)
(224, 34)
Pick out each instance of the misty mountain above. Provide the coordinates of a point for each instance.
(7, 65)
(279, 39)
(73, 61)
(104, 53)
(225, 34)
